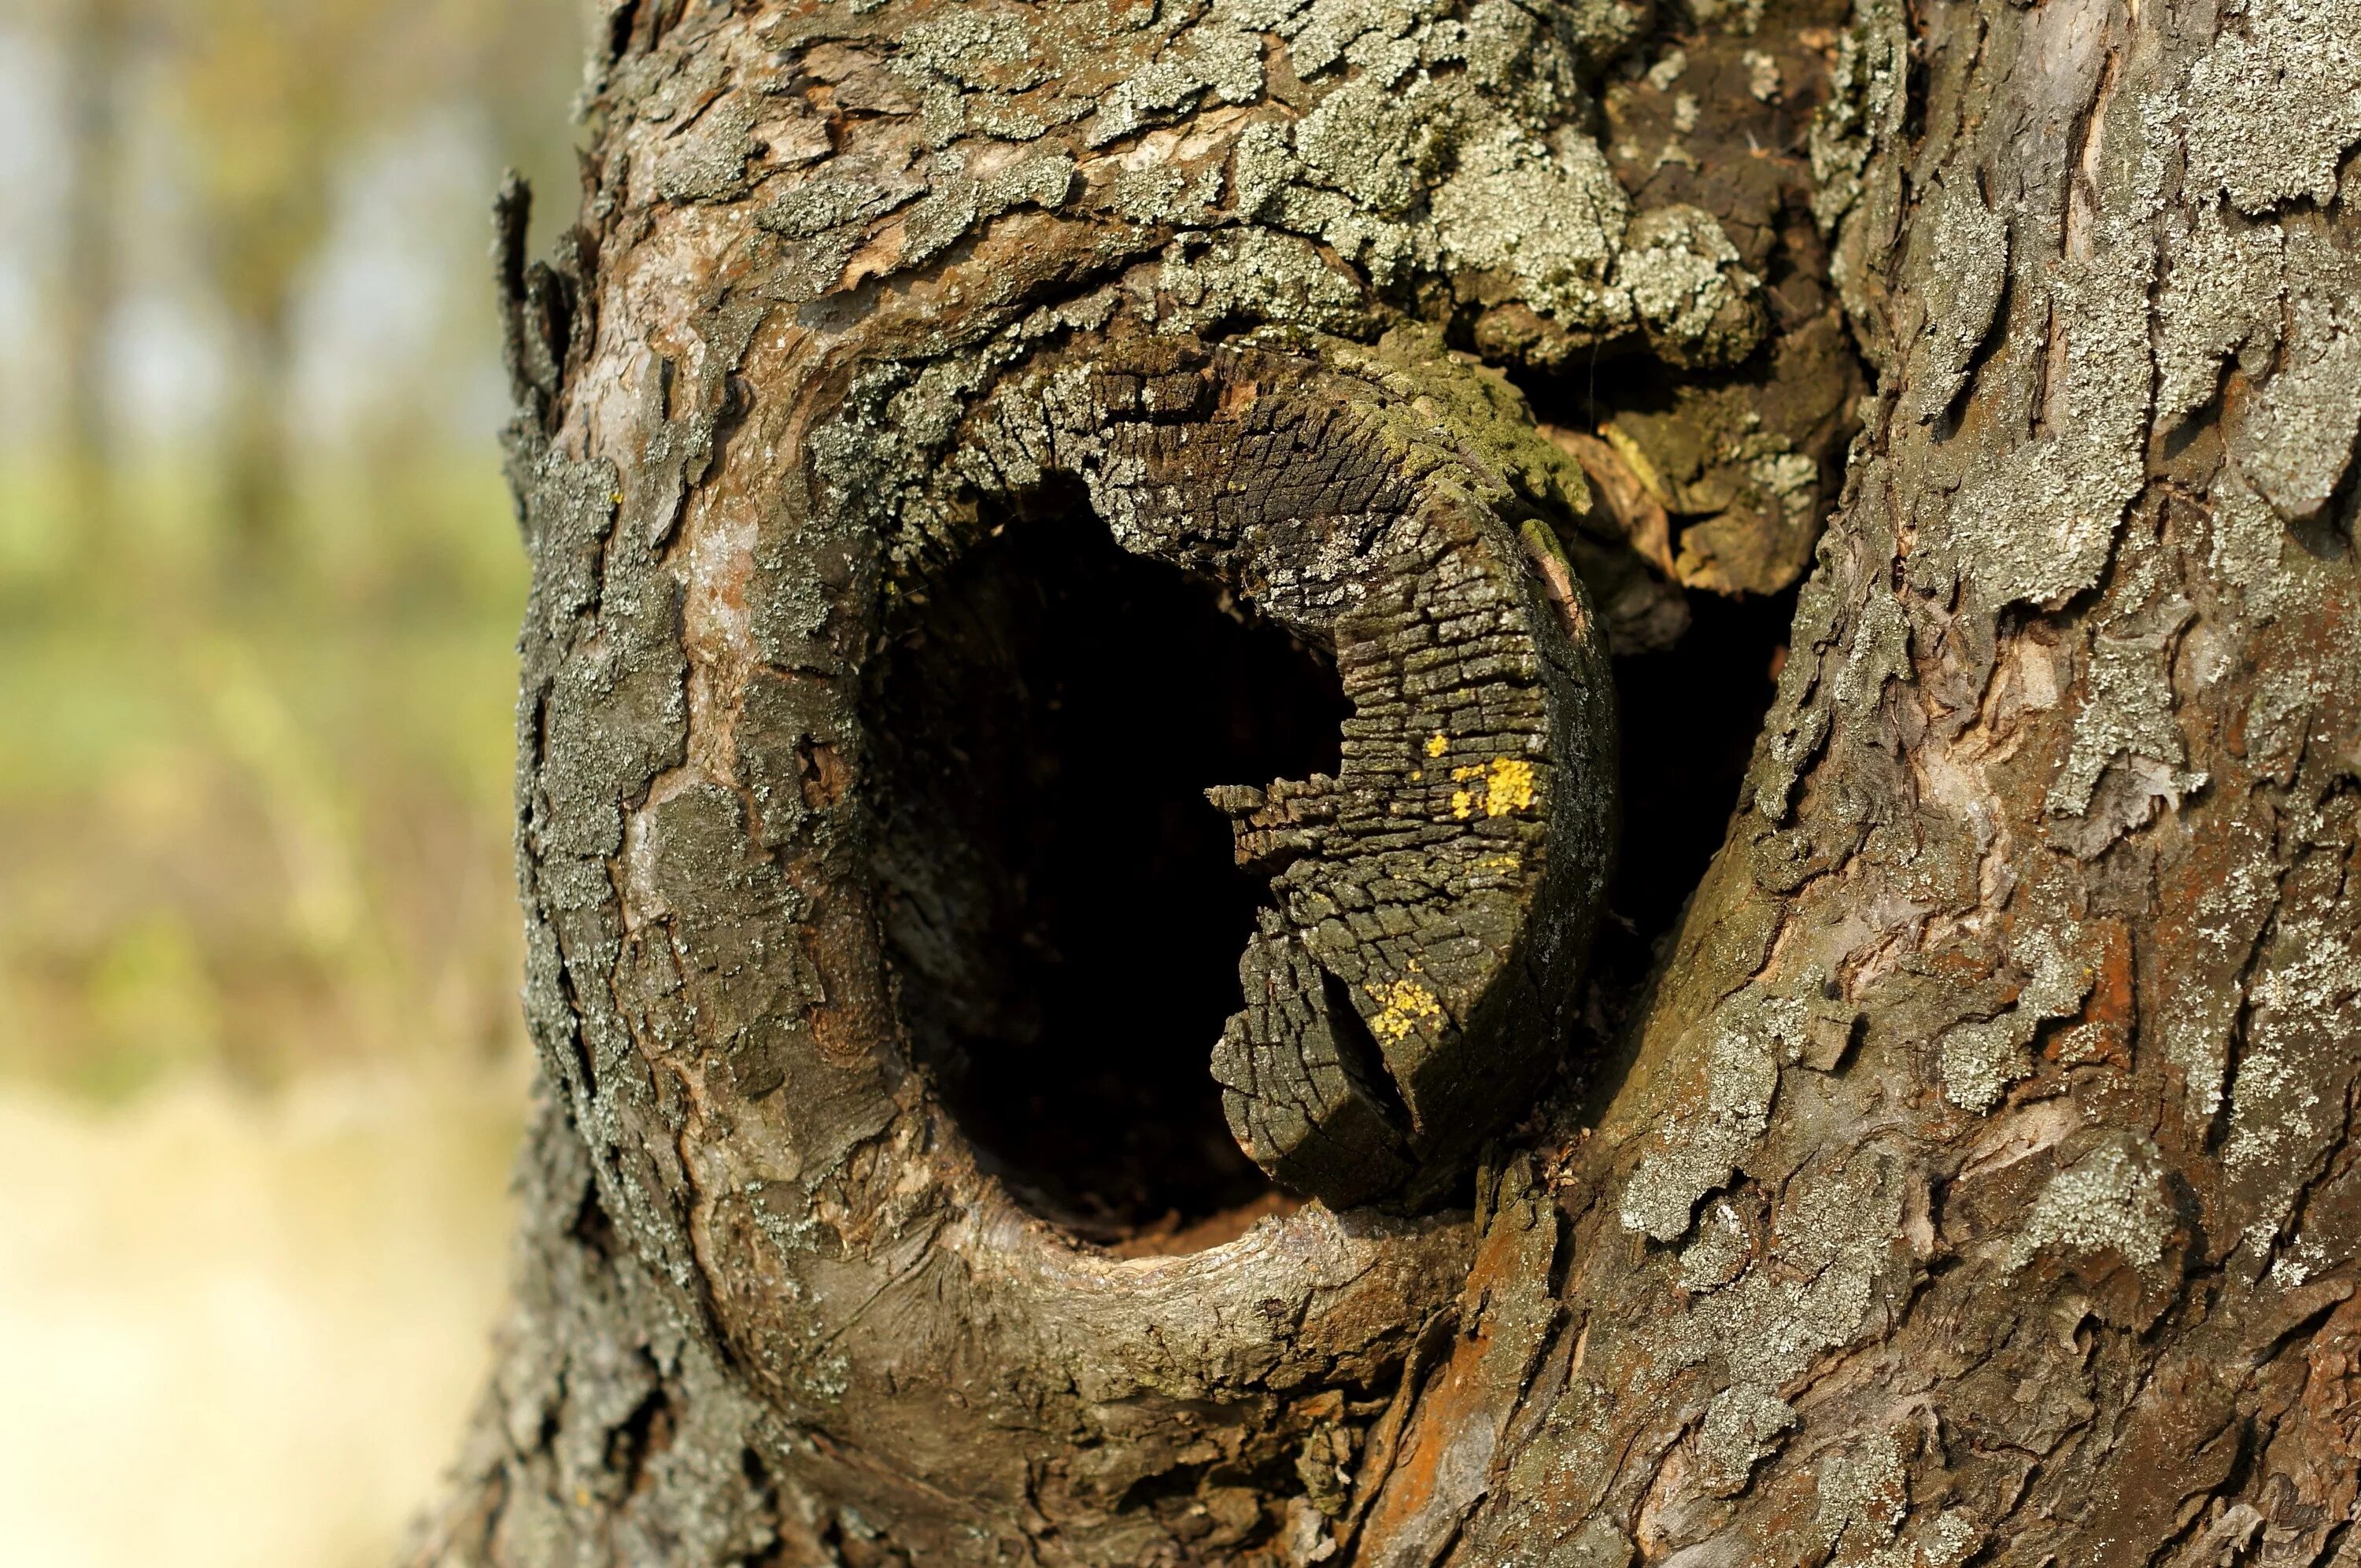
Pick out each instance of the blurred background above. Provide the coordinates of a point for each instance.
(261, 1070)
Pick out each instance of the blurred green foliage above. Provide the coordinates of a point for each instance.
(256, 659)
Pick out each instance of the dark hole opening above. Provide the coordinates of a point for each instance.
(1062, 909)
(1689, 717)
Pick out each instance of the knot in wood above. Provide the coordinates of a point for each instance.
(1408, 986)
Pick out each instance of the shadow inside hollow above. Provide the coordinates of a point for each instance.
(1064, 910)
(1689, 715)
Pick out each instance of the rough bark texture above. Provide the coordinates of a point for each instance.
(1975, 1179)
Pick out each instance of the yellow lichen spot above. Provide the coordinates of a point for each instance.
(1506, 785)
(1403, 1005)
(1511, 787)
(1502, 862)
(1435, 743)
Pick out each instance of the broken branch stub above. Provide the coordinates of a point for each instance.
(1431, 902)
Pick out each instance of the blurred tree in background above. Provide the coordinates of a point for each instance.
(257, 581)
(260, 1074)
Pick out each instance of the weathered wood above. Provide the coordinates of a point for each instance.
(1389, 506)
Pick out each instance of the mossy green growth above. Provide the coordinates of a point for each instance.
(1456, 400)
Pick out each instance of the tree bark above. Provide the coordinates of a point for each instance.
(1971, 1179)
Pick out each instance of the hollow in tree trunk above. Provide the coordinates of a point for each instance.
(968, 450)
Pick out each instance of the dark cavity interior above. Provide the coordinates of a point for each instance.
(1689, 715)
(1062, 909)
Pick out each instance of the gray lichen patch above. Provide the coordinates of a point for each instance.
(1864, 1494)
(1967, 263)
(1838, 1233)
(1867, 96)
(1549, 216)
(2112, 1200)
(2038, 522)
(1753, 1034)
(1698, 306)
(2128, 711)
(707, 162)
(2230, 913)
(2302, 58)
(993, 51)
(2296, 442)
(1447, 150)
(1978, 1060)
(1719, 1252)
(958, 201)
(2286, 1101)
(1742, 1428)
(2221, 296)
(1257, 275)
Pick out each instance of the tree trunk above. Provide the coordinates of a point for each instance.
(957, 435)
(94, 52)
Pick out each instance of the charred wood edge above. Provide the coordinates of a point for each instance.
(1404, 995)
(1246, 462)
